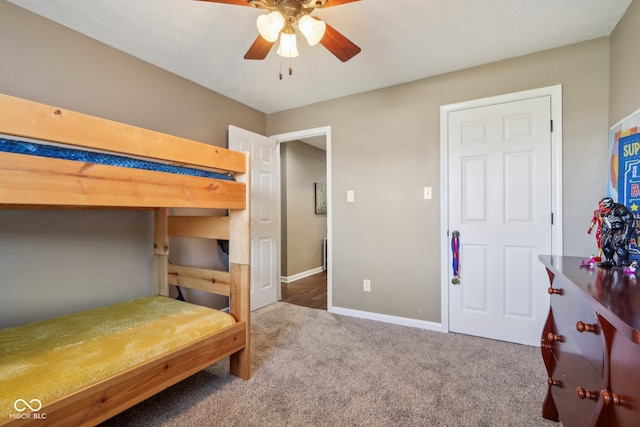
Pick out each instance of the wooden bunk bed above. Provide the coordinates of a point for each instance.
(28, 182)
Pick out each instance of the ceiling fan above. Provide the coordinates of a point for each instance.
(281, 22)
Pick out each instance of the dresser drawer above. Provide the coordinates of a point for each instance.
(571, 360)
(622, 404)
(575, 413)
(578, 329)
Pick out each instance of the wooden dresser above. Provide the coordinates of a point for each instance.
(591, 345)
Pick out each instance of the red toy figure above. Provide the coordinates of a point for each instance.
(597, 220)
(617, 226)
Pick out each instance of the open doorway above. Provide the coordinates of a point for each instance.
(305, 217)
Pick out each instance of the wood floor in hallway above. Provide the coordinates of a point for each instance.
(308, 292)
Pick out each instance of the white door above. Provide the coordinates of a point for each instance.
(500, 201)
(264, 225)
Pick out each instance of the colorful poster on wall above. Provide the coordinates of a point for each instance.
(624, 170)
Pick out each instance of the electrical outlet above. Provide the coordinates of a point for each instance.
(366, 285)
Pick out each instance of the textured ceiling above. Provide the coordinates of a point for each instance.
(401, 40)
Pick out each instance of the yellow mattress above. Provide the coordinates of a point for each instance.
(48, 359)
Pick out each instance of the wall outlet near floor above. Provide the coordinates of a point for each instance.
(366, 285)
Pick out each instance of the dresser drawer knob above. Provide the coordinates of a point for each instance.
(609, 398)
(586, 394)
(586, 327)
(555, 291)
(551, 381)
(551, 337)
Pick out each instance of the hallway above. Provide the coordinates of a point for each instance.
(308, 292)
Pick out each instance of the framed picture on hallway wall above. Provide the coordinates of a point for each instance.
(321, 198)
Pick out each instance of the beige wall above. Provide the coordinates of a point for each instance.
(303, 230)
(624, 98)
(386, 147)
(108, 251)
(46, 62)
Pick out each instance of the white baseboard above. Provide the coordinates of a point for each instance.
(289, 279)
(404, 321)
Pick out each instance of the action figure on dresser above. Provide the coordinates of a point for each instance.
(618, 225)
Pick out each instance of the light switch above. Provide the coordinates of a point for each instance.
(428, 193)
(350, 196)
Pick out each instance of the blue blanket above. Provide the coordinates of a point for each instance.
(24, 147)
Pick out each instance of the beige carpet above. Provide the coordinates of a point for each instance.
(313, 368)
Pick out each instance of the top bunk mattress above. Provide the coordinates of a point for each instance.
(50, 358)
(39, 181)
(57, 152)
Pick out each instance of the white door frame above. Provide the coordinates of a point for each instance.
(555, 92)
(293, 136)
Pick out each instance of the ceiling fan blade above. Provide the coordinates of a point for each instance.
(234, 2)
(343, 48)
(259, 49)
(337, 2)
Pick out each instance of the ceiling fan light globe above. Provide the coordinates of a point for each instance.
(288, 47)
(270, 25)
(312, 29)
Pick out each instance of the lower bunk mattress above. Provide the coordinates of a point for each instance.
(48, 359)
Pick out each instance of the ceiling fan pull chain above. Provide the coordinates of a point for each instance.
(290, 69)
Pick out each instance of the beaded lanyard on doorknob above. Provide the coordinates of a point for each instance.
(455, 249)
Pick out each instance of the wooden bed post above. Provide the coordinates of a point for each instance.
(239, 268)
(161, 251)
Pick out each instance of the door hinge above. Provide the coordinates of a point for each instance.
(551, 125)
